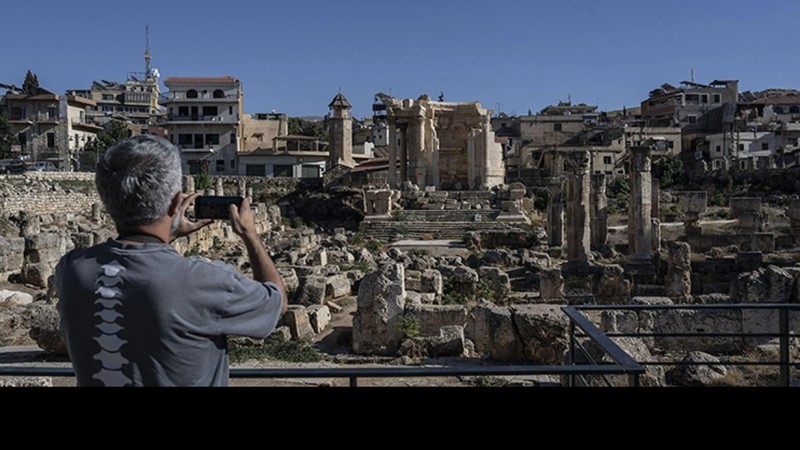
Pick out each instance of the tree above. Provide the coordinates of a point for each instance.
(31, 84)
(7, 137)
(114, 132)
(669, 171)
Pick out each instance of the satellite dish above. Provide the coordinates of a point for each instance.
(155, 73)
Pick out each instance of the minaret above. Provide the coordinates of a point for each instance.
(340, 133)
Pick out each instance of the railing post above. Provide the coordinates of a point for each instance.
(353, 382)
(783, 314)
(571, 377)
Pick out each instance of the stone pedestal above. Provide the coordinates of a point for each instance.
(748, 211)
(693, 204)
(555, 214)
(578, 188)
(640, 226)
(599, 212)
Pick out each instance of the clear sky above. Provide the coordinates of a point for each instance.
(294, 55)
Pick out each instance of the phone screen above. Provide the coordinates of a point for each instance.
(213, 207)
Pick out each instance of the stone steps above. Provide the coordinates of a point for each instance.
(448, 215)
(391, 230)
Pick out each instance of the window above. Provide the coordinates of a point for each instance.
(777, 109)
(704, 98)
(212, 139)
(692, 119)
(233, 138)
(255, 170)
(719, 148)
(209, 110)
(556, 126)
(191, 93)
(23, 139)
(606, 160)
(233, 164)
(717, 98)
(198, 141)
(310, 171)
(184, 140)
(794, 109)
(740, 147)
(220, 165)
(183, 111)
(194, 167)
(219, 93)
(670, 144)
(230, 110)
(765, 146)
(52, 113)
(281, 171)
(51, 140)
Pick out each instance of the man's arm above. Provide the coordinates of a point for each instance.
(244, 225)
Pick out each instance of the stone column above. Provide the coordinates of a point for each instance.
(640, 225)
(96, 212)
(391, 167)
(249, 193)
(472, 140)
(555, 213)
(655, 193)
(403, 150)
(578, 213)
(188, 184)
(220, 190)
(679, 271)
(793, 212)
(599, 212)
(488, 142)
(435, 156)
(418, 149)
(242, 183)
(692, 204)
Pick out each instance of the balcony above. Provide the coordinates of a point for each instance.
(85, 124)
(174, 118)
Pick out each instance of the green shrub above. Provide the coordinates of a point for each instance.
(289, 351)
(202, 181)
(410, 327)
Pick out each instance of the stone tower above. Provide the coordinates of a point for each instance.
(340, 133)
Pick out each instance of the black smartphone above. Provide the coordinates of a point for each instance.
(214, 207)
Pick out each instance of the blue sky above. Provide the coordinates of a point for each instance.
(294, 55)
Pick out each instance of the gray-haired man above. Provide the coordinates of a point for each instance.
(133, 310)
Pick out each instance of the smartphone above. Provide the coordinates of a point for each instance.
(215, 207)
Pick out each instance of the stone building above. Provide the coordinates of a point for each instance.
(694, 107)
(446, 145)
(50, 127)
(204, 119)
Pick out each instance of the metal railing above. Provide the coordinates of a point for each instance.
(623, 365)
(783, 334)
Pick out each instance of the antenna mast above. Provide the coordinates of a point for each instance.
(148, 69)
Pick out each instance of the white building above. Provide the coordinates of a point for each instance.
(204, 120)
(746, 149)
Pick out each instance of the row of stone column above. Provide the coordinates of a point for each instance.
(243, 189)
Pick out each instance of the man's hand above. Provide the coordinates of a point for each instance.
(243, 221)
(186, 226)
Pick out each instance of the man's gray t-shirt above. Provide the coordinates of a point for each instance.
(145, 315)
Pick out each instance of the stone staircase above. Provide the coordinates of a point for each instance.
(430, 224)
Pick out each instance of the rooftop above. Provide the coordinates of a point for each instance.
(200, 80)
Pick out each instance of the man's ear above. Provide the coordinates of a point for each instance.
(176, 203)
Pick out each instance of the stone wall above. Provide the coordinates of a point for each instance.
(49, 202)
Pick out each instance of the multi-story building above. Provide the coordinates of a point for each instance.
(746, 149)
(204, 119)
(50, 127)
(136, 100)
(694, 107)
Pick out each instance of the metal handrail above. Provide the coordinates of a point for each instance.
(783, 334)
(363, 372)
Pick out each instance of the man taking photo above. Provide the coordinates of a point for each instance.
(134, 312)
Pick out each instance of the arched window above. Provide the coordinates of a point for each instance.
(219, 93)
(191, 93)
(777, 109)
(794, 110)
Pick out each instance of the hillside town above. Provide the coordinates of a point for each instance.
(656, 245)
